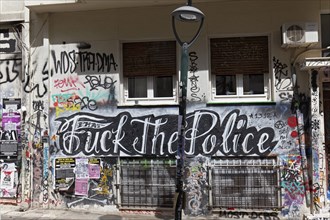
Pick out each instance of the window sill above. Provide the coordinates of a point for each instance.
(240, 98)
(148, 102)
(241, 103)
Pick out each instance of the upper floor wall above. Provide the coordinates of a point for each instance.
(107, 30)
(11, 10)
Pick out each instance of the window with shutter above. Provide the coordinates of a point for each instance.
(240, 68)
(149, 70)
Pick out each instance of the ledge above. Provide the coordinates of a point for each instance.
(147, 106)
(239, 103)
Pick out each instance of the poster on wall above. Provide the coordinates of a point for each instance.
(94, 168)
(64, 173)
(11, 120)
(8, 180)
(81, 187)
(81, 168)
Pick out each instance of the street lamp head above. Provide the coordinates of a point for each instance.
(188, 14)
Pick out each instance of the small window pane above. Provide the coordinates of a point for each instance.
(137, 87)
(226, 85)
(253, 84)
(163, 86)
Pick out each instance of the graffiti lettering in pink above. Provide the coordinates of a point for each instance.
(68, 83)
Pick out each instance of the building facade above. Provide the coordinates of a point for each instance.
(89, 96)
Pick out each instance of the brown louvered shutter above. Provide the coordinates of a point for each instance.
(239, 55)
(156, 58)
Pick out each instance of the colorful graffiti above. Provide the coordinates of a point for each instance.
(196, 186)
(317, 156)
(293, 185)
(87, 128)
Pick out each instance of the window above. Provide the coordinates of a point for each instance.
(240, 68)
(245, 183)
(149, 70)
(147, 184)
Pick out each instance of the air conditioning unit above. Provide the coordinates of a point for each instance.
(301, 34)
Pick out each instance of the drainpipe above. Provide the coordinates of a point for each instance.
(301, 135)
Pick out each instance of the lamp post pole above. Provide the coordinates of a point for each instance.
(185, 14)
(181, 131)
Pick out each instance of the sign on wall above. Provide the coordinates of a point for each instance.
(64, 173)
(10, 128)
(76, 172)
(8, 180)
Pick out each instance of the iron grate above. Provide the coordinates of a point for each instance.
(245, 184)
(147, 183)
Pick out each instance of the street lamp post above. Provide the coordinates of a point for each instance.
(186, 13)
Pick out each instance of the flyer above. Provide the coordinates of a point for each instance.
(81, 187)
(82, 168)
(8, 180)
(64, 175)
(94, 168)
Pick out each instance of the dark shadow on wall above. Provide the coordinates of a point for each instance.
(110, 217)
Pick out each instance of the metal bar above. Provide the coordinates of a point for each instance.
(155, 185)
(138, 192)
(118, 182)
(181, 132)
(245, 183)
(271, 166)
(211, 186)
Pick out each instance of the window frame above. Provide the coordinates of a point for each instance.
(150, 99)
(240, 96)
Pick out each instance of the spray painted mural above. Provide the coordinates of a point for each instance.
(148, 135)
(215, 131)
(87, 126)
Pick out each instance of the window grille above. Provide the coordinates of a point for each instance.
(245, 183)
(147, 183)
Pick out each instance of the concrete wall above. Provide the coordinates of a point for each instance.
(11, 11)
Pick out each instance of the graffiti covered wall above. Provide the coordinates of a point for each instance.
(10, 111)
(88, 132)
(78, 131)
